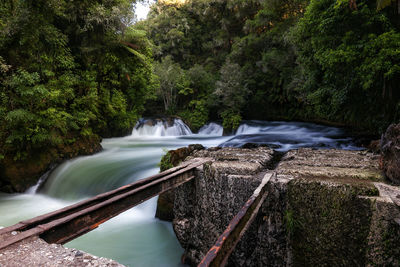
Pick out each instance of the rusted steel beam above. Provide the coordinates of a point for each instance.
(28, 224)
(218, 255)
(65, 229)
(66, 224)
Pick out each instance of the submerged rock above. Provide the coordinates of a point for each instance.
(390, 147)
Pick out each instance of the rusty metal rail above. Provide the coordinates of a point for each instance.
(218, 255)
(66, 224)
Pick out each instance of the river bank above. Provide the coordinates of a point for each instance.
(19, 175)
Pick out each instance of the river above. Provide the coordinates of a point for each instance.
(136, 238)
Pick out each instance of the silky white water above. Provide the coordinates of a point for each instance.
(136, 238)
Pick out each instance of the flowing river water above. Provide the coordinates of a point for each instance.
(136, 238)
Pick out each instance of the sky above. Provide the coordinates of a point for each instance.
(142, 9)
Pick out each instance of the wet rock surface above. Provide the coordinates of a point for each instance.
(324, 208)
(36, 252)
(390, 146)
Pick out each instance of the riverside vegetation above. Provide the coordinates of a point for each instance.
(72, 72)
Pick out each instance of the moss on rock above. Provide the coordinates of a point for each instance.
(330, 224)
(165, 162)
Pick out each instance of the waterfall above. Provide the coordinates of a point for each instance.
(248, 129)
(160, 127)
(212, 129)
(33, 189)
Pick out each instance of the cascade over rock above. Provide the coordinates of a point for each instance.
(169, 126)
(212, 128)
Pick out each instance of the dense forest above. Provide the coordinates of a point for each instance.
(327, 60)
(72, 72)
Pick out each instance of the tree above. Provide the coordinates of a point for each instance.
(198, 101)
(299, 59)
(380, 4)
(172, 82)
(232, 94)
(68, 72)
(350, 72)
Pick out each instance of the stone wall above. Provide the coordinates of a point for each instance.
(204, 207)
(324, 208)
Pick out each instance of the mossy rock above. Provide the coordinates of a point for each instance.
(328, 223)
(174, 157)
(165, 202)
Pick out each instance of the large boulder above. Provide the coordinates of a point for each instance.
(390, 147)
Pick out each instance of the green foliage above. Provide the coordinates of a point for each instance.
(165, 162)
(294, 59)
(291, 223)
(196, 115)
(197, 101)
(69, 70)
(198, 32)
(350, 73)
(229, 88)
(268, 60)
(231, 94)
(208, 37)
(173, 81)
(78, 69)
(231, 120)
